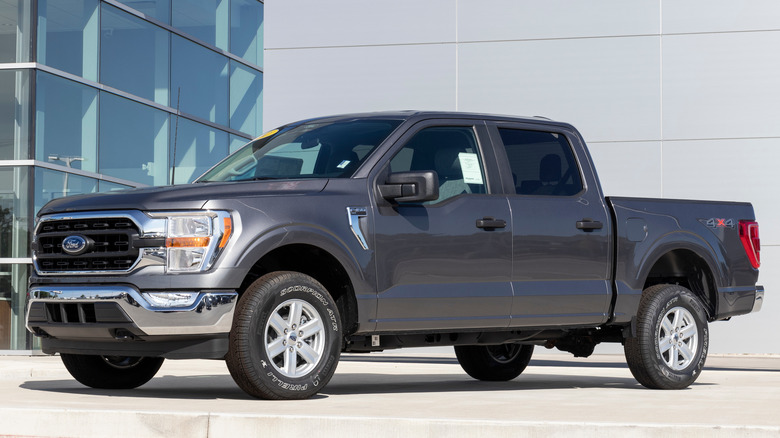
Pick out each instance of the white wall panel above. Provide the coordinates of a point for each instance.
(756, 332)
(732, 170)
(721, 85)
(628, 169)
(608, 87)
(495, 20)
(719, 15)
(315, 82)
(316, 23)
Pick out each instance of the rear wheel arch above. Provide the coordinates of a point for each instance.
(689, 269)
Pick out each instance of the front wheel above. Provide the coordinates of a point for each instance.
(496, 363)
(286, 337)
(111, 372)
(670, 346)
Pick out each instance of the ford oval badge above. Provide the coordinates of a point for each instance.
(74, 245)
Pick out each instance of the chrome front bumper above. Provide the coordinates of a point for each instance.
(211, 314)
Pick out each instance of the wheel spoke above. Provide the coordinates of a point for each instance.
(666, 326)
(686, 352)
(676, 319)
(688, 331)
(290, 361)
(308, 354)
(311, 328)
(296, 309)
(277, 323)
(275, 348)
(664, 345)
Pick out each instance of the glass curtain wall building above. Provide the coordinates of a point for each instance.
(99, 95)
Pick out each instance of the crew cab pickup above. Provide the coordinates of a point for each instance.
(367, 232)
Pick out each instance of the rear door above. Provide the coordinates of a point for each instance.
(437, 267)
(561, 228)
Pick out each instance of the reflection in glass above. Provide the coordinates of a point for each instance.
(246, 99)
(206, 20)
(14, 237)
(159, 9)
(198, 147)
(133, 140)
(107, 186)
(14, 31)
(68, 36)
(13, 297)
(236, 142)
(65, 123)
(14, 114)
(202, 77)
(133, 55)
(246, 30)
(53, 184)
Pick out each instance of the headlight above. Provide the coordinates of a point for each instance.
(193, 240)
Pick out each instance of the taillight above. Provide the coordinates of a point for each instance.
(748, 234)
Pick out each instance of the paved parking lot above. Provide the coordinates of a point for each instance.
(400, 394)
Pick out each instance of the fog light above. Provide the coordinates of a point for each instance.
(171, 299)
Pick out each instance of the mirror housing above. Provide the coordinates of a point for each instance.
(418, 186)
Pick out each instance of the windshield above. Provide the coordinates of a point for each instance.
(309, 150)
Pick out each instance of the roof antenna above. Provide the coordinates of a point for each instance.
(175, 137)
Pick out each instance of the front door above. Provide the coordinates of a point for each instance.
(438, 267)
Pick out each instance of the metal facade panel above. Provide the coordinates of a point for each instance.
(607, 87)
(721, 85)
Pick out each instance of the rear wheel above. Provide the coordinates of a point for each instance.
(670, 346)
(286, 337)
(111, 372)
(495, 363)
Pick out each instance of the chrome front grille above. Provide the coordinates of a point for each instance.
(109, 245)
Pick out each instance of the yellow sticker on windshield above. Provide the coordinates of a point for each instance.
(268, 134)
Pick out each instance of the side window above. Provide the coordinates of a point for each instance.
(542, 163)
(452, 152)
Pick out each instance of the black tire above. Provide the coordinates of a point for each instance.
(111, 372)
(494, 363)
(270, 363)
(665, 354)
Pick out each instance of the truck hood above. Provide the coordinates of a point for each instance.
(183, 197)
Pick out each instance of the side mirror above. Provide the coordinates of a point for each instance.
(411, 186)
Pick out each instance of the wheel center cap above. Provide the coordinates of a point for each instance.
(293, 336)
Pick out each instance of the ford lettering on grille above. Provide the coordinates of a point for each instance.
(74, 245)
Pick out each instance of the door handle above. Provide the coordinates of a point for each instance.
(490, 223)
(589, 225)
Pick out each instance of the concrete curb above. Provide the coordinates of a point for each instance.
(133, 424)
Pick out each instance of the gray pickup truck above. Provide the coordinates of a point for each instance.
(368, 232)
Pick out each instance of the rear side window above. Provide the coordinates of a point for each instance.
(542, 163)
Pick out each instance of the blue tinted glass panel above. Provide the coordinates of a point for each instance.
(14, 189)
(68, 36)
(14, 114)
(52, 184)
(198, 147)
(246, 30)
(133, 55)
(159, 9)
(246, 99)
(202, 77)
(15, 27)
(206, 20)
(65, 122)
(236, 142)
(133, 141)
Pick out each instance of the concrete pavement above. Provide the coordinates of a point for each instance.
(400, 394)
